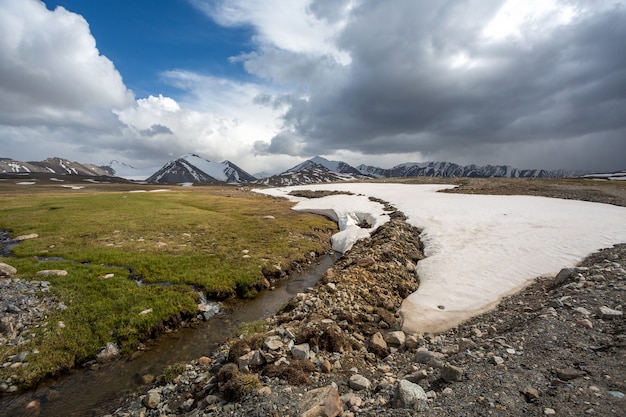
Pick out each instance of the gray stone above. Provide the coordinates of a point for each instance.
(52, 272)
(252, 358)
(569, 374)
(109, 352)
(409, 395)
(359, 382)
(301, 351)
(273, 343)
(416, 377)
(7, 270)
(497, 360)
(396, 338)
(607, 313)
(583, 311)
(564, 276)
(450, 373)
(427, 357)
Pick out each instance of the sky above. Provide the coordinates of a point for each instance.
(478, 248)
(267, 85)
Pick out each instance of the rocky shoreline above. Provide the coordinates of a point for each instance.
(557, 347)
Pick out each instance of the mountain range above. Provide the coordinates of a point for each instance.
(193, 169)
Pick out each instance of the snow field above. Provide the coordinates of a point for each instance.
(478, 248)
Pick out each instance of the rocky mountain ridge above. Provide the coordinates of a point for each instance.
(191, 168)
(54, 166)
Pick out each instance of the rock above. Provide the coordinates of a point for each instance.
(366, 262)
(451, 373)
(330, 274)
(569, 374)
(326, 366)
(109, 352)
(264, 391)
(411, 342)
(147, 379)
(321, 402)
(7, 270)
(273, 343)
(187, 405)
(409, 395)
(28, 236)
(477, 332)
(152, 399)
(204, 360)
(355, 401)
(583, 311)
(617, 394)
(585, 323)
(530, 393)
(497, 360)
(52, 273)
(378, 341)
(252, 358)
(358, 382)
(416, 377)
(396, 338)
(427, 357)
(607, 313)
(549, 411)
(564, 276)
(301, 351)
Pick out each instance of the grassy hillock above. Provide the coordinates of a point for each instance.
(220, 240)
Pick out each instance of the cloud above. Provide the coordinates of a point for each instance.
(51, 71)
(444, 79)
(156, 129)
(477, 81)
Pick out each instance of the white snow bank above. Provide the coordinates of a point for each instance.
(347, 210)
(479, 248)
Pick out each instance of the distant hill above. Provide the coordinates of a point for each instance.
(449, 169)
(58, 166)
(613, 176)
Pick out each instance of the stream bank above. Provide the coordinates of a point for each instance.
(91, 390)
(556, 348)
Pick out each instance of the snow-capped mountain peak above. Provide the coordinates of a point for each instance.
(191, 168)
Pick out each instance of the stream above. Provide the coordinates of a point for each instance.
(96, 392)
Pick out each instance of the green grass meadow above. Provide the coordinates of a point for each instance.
(215, 239)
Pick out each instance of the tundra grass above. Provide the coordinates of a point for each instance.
(175, 243)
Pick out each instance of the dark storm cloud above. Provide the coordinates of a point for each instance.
(402, 92)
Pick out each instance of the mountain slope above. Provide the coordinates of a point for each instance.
(313, 171)
(193, 169)
(54, 166)
(449, 169)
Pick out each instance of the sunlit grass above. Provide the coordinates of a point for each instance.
(218, 240)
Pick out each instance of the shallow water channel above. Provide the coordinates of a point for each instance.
(95, 392)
